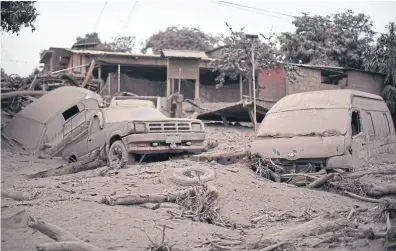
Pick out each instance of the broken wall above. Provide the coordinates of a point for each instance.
(367, 82)
(272, 84)
(308, 80)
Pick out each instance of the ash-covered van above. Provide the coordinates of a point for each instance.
(56, 119)
(329, 129)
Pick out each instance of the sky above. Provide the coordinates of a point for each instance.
(60, 22)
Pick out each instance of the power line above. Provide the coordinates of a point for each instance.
(128, 19)
(100, 15)
(253, 8)
(17, 61)
(250, 10)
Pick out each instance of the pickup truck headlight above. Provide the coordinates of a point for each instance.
(196, 127)
(140, 127)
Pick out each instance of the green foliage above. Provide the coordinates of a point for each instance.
(121, 44)
(35, 72)
(177, 38)
(236, 56)
(17, 14)
(337, 40)
(89, 38)
(382, 58)
(3, 74)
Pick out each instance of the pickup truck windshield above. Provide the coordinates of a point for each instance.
(310, 122)
(131, 113)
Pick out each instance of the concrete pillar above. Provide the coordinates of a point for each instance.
(172, 86)
(168, 87)
(240, 88)
(196, 96)
(119, 78)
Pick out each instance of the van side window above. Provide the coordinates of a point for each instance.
(387, 123)
(371, 129)
(70, 112)
(355, 123)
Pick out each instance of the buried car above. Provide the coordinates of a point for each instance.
(329, 129)
(54, 120)
(124, 132)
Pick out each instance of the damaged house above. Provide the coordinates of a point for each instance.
(144, 75)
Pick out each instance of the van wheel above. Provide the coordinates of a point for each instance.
(119, 154)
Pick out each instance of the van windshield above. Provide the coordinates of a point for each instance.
(310, 122)
(131, 113)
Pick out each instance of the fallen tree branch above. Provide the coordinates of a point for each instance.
(379, 191)
(21, 93)
(20, 196)
(69, 169)
(67, 246)
(89, 73)
(273, 247)
(321, 181)
(355, 196)
(317, 226)
(361, 174)
(224, 158)
(66, 241)
(137, 199)
(196, 105)
(18, 220)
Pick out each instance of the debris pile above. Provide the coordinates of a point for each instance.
(18, 92)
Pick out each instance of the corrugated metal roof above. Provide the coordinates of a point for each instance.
(341, 98)
(334, 68)
(54, 101)
(184, 54)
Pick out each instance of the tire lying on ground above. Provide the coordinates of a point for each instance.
(189, 176)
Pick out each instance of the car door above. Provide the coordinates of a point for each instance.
(359, 138)
(96, 137)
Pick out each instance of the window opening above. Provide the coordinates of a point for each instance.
(70, 112)
(387, 120)
(95, 126)
(355, 123)
(371, 124)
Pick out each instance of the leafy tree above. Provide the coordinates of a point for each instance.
(176, 38)
(88, 38)
(17, 14)
(236, 56)
(121, 44)
(382, 58)
(35, 72)
(3, 74)
(339, 39)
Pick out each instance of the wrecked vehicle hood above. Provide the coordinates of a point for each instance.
(298, 147)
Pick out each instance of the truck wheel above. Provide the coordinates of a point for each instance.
(118, 153)
(189, 176)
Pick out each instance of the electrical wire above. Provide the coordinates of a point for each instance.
(250, 10)
(100, 15)
(254, 8)
(126, 23)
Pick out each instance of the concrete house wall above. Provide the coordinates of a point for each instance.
(276, 84)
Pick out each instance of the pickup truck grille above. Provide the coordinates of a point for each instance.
(169, 127)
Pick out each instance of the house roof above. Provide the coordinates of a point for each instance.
(340, 98)
(334, 68)
(215, 49)
(184, 54)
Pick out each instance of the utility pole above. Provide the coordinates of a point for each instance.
(252, 37)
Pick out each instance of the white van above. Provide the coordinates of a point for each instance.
(328, 129)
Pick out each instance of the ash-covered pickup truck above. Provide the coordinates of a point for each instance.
(124, 132)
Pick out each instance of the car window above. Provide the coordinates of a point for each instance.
(95, 125)
(355, 123)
